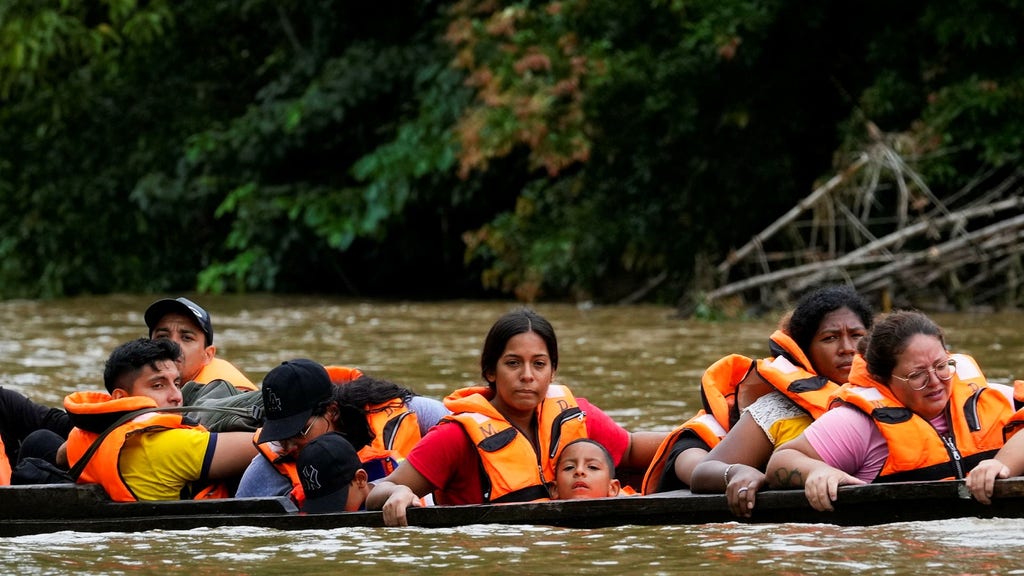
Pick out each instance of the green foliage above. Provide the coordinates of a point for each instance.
(43, 41)
(958, 97)
(63, 184)
(527, 67)
(680, 130)
(574, 148)
(321, 208)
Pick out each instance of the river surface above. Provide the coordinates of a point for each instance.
(640, 364)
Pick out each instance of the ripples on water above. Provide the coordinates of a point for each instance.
(943, 547)
(638, 363)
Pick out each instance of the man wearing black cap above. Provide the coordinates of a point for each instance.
(188, 324)
(332, 476)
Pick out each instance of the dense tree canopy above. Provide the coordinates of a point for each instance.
(580, 149)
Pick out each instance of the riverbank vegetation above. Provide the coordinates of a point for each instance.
(576, 149)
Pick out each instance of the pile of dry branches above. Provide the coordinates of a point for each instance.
(878, 226)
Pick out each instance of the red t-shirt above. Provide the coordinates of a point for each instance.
(449, 461)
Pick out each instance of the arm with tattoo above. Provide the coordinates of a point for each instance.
(786, 478)
(788, 466)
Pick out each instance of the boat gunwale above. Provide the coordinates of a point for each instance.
(57, 507)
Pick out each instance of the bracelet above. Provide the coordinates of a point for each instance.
(726, 475)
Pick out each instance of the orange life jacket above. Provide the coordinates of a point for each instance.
(718, 389)
(1016, 421)
(706, 426)
(976, 413)
(5, 466)
(285, 466)
(718, 395)
(791, 372)
(95, 411)
(396, 429)
(788, 370)
(342, 374)
(513, 469)
(220, 369)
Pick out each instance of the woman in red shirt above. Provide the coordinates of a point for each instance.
(502, 440)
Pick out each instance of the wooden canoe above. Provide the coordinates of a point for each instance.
(51, 508)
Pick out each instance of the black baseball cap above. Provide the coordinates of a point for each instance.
(327, 466)
(290, 393)
(183, 306)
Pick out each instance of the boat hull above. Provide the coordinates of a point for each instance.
(51, 508)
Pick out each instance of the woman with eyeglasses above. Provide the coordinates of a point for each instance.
(910, 411)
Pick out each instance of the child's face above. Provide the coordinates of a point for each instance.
(583, 472)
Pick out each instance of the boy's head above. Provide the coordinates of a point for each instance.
(332, 475)
(585, 469)
(145, 367)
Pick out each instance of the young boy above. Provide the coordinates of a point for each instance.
(156, 455)
(585, 470)
(332, 476)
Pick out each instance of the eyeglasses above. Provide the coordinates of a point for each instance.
(304, 433)
(308, 428)
(919, 380)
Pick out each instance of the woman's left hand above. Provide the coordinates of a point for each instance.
(822, 486)
(982, 479)
(741, 493)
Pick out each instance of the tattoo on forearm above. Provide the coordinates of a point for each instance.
(786, 478)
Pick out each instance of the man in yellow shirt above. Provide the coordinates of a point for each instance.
(189, 325)
(154, 455)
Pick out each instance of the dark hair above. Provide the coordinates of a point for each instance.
(512, 324)
(366, 391)
(607, 455)
(889, 338)
(353, 398)
(812, 308)
(129, 358)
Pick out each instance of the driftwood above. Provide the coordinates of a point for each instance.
(793, 213)
(878, 226)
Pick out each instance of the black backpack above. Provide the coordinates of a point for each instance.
(39, 471)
